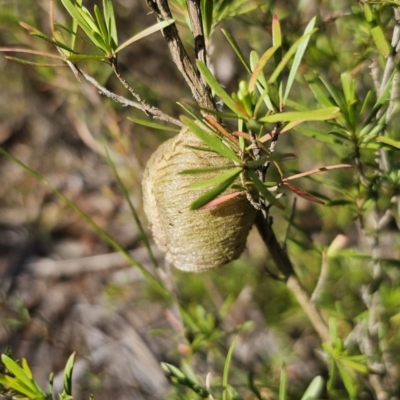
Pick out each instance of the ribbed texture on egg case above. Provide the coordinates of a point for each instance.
(193, 240)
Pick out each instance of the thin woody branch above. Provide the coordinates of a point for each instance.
(142, 105)
(200, 92)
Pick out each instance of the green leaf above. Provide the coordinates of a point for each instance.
(69, 367)
(20, 387)
(74, 28)
(109, 17)
(218, 90)
(226, 369)
(205, 170)
(288, 56)
(390, 142)
(260, 65)
(71, 7)
(152, 124)
(283, 383)
(348, 381)
(263, 190)
(19, 373)
(102, 27)
(32, 63)
(211, 195)
(34, 32)
(298, 57)
(207, 7)
(313, 115)
(314, 390)
(381, 43)
(319, 94)
(276, 32)
(236, 49)
(85, 57)
(146, 32)
(234, 173)
(355, 365)
(213, 142)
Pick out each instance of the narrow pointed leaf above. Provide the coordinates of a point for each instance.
(84, 57)
(227, 365)
(234, 173)
(288, 56)
(236, 49)
(298, 57)
(151, 124)
(72, 8)
(100, 23)
(213, 142)
(388, 141)
(220, 200)
(109, 17)
(69, 367)
(211, 195)
(302, 193)
(19, 373)
(205, 170)
(380, 40)
(148, 31)
(260, 65)
(32, 63)
(314, 389)
(283, 383)
(219, 91)
(276, 32)
(322, 114)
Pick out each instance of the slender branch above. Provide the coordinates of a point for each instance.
(143, 105)
(179, 56)
(196, 24)
(282, 261)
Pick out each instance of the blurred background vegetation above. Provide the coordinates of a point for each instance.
(64, 289)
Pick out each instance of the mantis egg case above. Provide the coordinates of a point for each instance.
(198, 240)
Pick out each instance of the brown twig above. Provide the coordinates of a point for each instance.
(142, 105)
(200, 92)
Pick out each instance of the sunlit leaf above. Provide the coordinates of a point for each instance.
(69, 367)
(298, 57)
(205, 170)
(288, 56)
(153, 125)
(260, 65)
(146, 32)
(276, 32)
(109, 17)
(283, 383)
(226, 369)
(219, 91)
(390, 142)
(234, 173)
(322, 114)
(213, 142)
(212, 194)
(380, 40)
(314, 390)
(220, 200)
